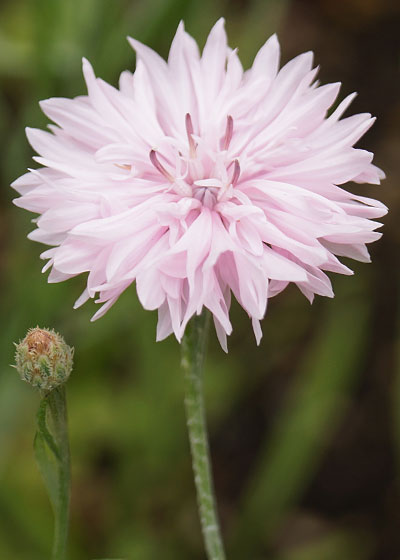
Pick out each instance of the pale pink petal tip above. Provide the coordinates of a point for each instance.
(200, 181)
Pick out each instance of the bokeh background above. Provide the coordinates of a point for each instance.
(305, 429)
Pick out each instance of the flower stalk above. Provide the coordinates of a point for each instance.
(53, 458)
(44, 360)
(57, 406)
(193, 352)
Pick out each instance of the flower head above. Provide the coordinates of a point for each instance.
(43, 359)
(198, 180)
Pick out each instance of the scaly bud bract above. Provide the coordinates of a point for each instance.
(43, 359)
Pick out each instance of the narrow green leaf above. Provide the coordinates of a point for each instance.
(43, 429)
(47, 464)
(47, 455)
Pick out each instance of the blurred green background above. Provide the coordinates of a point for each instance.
(305, 430)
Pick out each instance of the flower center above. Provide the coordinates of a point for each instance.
(200, 172)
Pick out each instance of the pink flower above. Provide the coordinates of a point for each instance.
(198, 180)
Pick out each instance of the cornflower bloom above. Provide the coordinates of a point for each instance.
(198, 180)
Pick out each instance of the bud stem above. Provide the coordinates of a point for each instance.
(53, 457)
(58, 410)
(193, 352)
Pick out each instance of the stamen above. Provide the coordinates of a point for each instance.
(159, 167)
(228, 133)
(236, 173)
(123, 166)
(189, 132)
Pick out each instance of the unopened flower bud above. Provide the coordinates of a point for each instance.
(43, 359)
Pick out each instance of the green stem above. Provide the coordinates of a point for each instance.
(193, 351)
(57, 404)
